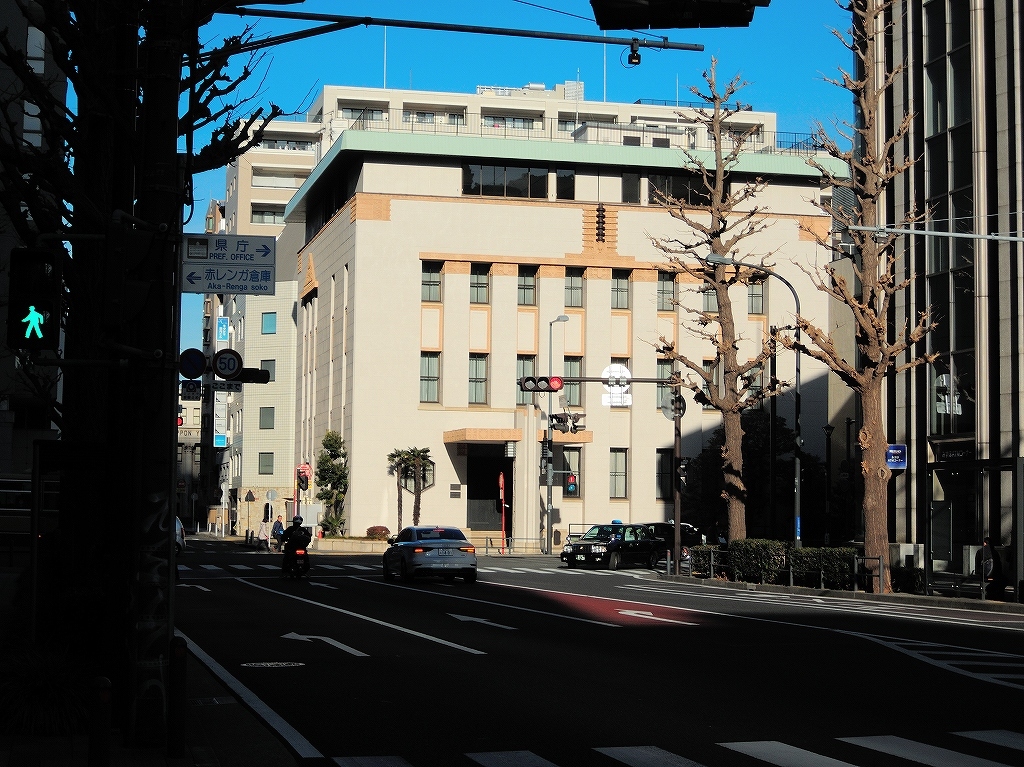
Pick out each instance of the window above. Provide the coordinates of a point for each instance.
(430, 376)
(710, 366)
(198, 454)
(573, 286)
(709, 299)
(266, 463)
(456, 118)
(526, 365)
(573, 391)
(571, 465)
(479, 276)
(624, 361)
(361, 113)
(269, 326)
(501, 181)
(197, 416)
(499, 121)
(409, 116)
(267, 215)
(477, 379)
(431, 282)
(565, 184)
(527, 291)
(666, 291)
(755, 298)
(270, 365)
(664, 374)
(181, 450)
(266, 418)
(631, 187)
(664, 490)
(620, 288)
(617, 473)
(686, 189)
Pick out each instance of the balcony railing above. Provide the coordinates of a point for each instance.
(688, 136)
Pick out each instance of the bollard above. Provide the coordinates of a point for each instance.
(176, 698)
(99, 724)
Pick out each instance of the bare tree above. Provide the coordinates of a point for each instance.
(721, 217)
(883, 348)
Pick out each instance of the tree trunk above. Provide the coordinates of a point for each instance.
(417, 486)
(736, 493)
(876, 474)
(398, 474)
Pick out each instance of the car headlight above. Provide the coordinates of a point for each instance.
(598, 549)
(567, 548)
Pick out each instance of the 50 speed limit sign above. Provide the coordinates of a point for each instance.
(227, 363)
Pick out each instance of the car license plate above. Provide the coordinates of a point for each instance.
(581, 556)
(444, 552)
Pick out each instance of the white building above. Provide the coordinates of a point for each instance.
(438, 238)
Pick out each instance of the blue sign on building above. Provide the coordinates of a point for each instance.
(896, 456)
(220, 440)
(222, 329)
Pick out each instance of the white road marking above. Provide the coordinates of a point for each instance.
(371, 761)
(329, 567)
(303, 748)
(328, 640)
(651, 616)
(210, 567)
(484, 621)
(1003, 738)
(362, 567)
(192, 586)
(920, 752)
(510, 759)
(783, 755)
(240, 567)
(647, 756)
(367, 618)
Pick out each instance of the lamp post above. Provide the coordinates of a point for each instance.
(828, 429)
(549, 542)
(722, 260)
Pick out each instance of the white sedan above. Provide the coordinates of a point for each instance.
(440, 551)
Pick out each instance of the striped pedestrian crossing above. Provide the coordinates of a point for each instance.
(772, 752)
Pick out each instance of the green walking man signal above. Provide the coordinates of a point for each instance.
(34, 304)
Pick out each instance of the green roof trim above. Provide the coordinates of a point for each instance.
(552, 152)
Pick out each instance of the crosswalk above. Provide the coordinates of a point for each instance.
(1001, 748)
(352, 567)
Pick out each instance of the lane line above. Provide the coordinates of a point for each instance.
(371, 761)
(510, 759)
(647, 756)
(920, 752)
(1004, 738)
(302, 747)
(367, 618)
(784, 755)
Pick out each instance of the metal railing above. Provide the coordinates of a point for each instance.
(869, 574)
(493, 546)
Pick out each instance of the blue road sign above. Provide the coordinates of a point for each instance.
(896, 456)
(222, 263)
(192, 363)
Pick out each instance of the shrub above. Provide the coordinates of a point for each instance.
(756, 560)
(836, 565)
(378, 533)
(700, 560)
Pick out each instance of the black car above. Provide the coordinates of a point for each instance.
(688, 534)
(614, 546)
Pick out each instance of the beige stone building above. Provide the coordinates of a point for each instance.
(439, 237)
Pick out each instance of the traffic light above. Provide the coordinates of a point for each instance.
(570, 484)
(560, 422)
(600, 222)
(543, 383)
(34, 303)
(303, 481)
(253, 375)
(574, 422)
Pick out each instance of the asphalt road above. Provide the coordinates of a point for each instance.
(536, 665)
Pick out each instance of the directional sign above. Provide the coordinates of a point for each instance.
(222, 263)
(227, 363)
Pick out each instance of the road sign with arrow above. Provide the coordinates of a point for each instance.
(222, 263)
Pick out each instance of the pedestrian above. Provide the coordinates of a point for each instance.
(278, 532)
(262, 537)
(992, 571)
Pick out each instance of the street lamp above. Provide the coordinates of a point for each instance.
(712, 258)
(550, 449)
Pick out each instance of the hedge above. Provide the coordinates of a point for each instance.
(765, 561)
(836, 564)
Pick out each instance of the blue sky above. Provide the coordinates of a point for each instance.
(785, 55)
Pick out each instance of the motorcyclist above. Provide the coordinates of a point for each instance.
(293, 539)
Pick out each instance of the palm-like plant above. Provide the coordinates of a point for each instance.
(419, 458)
(400, 465)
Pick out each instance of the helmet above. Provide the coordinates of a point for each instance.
(297, 521)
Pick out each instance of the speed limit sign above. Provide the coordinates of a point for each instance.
(227, 363)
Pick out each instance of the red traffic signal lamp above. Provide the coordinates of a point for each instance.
(34, 305)
(541, 383)
(571, 485)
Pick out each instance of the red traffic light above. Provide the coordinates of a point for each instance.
(181, 421)
(542, 383)
(554, 383)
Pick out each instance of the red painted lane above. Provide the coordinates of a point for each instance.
(621, 612)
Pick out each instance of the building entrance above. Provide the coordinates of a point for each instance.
(483, 505)
(955, 518)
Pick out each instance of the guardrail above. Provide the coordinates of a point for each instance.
(871, 575)
(493, 546)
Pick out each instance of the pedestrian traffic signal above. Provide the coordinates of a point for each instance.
(303, 482)
(542, 384)
(574, 422)
(34, 299)
(570, 484)
(560, 422)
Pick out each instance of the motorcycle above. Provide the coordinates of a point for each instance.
(295, 564)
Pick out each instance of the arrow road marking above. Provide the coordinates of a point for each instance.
(328, 640)
(192, 586)
(323, 585)
(651, 616)
(483, 621)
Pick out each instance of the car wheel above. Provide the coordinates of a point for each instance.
(469, 576)
(404, 573)
(570, 563)
(613, 561)
(652, 562)
(388, 575)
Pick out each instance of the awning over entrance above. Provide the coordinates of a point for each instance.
(483, 435)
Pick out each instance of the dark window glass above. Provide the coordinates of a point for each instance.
(937, 165)
(959, 23)
(963, 168)
(656, 181)
(935, 74)
(430, 287)
(960, 64)
(271, 366)
(631, 187)
(471, 179)
(664, 491)
(963, 222)
(935, 23)
(494, 180)
(963, 309)
(938, 247)
(938, 298)
(539, 183)
(964, 420)
(517, 182)
(565, 184)
(527, 288)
